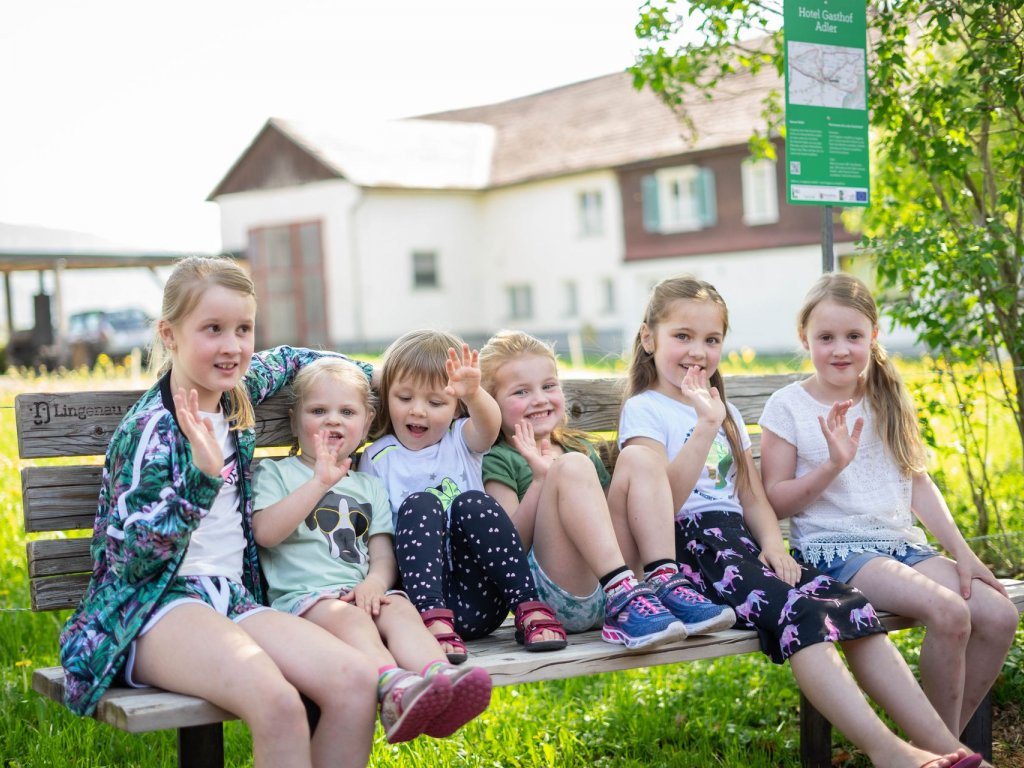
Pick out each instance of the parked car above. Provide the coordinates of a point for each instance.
(114, 333)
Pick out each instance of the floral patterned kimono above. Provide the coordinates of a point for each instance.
(152, 498)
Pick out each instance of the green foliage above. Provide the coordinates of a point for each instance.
(947, 114)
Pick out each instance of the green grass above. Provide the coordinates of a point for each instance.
(740, 711)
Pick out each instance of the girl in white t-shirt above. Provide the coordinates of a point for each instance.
(727, 532)
(324, 533)
(461, 561)
(852, 495)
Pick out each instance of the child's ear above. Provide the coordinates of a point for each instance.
(803, 341)
(166, 334)
(646, 339)
(371, 416)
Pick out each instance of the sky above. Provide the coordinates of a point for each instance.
(119, 117)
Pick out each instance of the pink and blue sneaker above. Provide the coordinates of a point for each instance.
(636, 618)
(699, 615)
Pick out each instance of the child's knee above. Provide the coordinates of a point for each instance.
(951, 617)
(575, 468)
(996, 617)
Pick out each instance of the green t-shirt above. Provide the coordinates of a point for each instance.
(506, 465)
(330, 548)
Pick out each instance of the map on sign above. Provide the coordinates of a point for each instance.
(826, 75)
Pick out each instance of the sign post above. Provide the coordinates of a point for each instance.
(827, 157)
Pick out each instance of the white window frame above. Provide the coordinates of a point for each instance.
(591, 212)
(572, 299)
(520, 301)
(679, 199)
(419, 276)
(760, 192)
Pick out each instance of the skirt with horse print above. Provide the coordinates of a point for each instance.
(718, 553)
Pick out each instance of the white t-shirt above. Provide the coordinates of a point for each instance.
(216, 546)
(866, 507)
(670, 422)
(446, 468)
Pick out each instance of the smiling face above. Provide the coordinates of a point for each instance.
(527, 389)
(688, 334)
(337, 410)
(420, 412)
(212, 346)
(839, 340)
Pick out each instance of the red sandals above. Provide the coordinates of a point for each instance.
(458, 653)
(529, 627)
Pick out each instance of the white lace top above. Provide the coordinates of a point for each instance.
(866, 507)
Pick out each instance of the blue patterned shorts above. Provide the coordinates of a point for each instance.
(577, 614)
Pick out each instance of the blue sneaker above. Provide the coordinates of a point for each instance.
(699, 615)
(636, 618)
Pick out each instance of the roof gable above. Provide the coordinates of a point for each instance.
(273, 160)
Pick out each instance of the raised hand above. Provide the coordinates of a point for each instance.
(842, 442)
(206, 451)
(463, 374)
(538, 456)
(328, 469)
(704, 399)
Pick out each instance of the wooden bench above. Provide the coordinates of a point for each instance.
(79, 425)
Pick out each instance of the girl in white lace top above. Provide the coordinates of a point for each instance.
(842, 457)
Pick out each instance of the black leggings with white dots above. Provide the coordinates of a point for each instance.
(474, 565)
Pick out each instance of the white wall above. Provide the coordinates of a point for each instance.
(392, 224)
(527, 234)
(763, 289)
(533, 237)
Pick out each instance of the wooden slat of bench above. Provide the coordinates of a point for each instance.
(58, 557)
(60, 498)
(81, 423)
(507, 663)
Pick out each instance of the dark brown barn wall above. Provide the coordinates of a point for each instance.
(797, 224)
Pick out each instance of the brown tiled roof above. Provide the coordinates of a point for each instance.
(605, 123)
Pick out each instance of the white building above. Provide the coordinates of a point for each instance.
(553, 213)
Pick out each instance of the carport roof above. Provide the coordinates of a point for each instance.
(30, 248)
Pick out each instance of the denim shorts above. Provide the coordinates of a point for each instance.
(845, 568)
(577, 614)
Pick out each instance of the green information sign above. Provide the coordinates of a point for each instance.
(826, 102)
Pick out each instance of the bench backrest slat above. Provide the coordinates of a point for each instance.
(80, 424)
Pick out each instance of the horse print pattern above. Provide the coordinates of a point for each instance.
(717, 549)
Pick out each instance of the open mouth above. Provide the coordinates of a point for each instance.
(417, 430)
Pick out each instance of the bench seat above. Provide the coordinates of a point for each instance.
(138, 710)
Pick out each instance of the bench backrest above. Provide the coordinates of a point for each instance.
(78, 426)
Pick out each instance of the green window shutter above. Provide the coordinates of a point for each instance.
(707, 207)
(649, 198)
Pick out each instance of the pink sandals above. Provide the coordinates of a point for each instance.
(529, 627)
(458, 653)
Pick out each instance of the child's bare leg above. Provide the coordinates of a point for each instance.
(341, 680)
(884, 675)
(832, 690)
(893, 586)
(574, 540)
(993, 624)
(195, 650)
(406, 636)
(640, 501)
(353, 626)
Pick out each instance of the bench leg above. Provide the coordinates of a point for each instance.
(201, 746)
(978, 733)
(815, 737)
